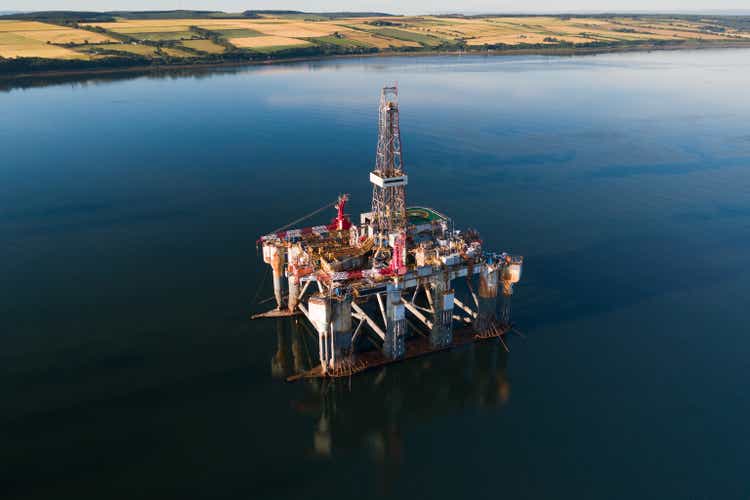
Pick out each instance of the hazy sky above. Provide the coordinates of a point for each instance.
(392, 6)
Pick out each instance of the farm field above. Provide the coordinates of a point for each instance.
(29, 39)
(266, 42)
(238, 37)
(206, 46)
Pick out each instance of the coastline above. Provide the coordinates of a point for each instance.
(561, 51)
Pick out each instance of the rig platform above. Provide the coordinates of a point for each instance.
(397, 267)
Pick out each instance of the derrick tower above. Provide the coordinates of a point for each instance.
(389, 179)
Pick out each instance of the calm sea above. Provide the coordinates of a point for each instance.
(129, 211)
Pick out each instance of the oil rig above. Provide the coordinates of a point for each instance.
(391, 278)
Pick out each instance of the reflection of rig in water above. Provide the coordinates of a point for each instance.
(385, 404)
(398, 260)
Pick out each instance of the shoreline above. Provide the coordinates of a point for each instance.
(562, 51)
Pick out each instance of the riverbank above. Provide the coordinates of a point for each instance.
(552, 51)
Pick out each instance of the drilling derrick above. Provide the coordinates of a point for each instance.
(388, 178)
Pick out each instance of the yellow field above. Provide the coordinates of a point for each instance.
(66, 35)
(29, 39)
(280, 28)
(176, 52)
(257, 42)
(204, 45)
(37, 39)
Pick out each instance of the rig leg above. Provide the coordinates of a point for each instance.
(275, 258)
(278, 290)
(511, 274)
(487, 301)
(441, 333)
(293, 293)
(394, 344)
(332, 317)
(319, 309)
(341, 327)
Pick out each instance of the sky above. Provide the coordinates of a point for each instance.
(390, 6)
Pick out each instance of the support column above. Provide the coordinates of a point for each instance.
(273, 256)
(319, 309)
(332, 318)
(441, 334)
(293, 299)
(277, 266)
(293, 255)
(394, 344)
(511, 274)
(341, 327)
(488, 287)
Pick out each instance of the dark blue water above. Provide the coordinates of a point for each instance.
(129, 211)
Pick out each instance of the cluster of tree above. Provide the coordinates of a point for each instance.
(597, 44)
(255, 14)
(380, 22)
(37, 64)
(318, 50)
(733, 22)
(214, 37)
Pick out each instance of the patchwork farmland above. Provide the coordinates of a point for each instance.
(155, 38)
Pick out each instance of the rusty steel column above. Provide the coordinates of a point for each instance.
(394, 344)
(441, 334)
(511, 274)
(341, 327)
(488, 288)
(277, 266)
(274, 257)
(293, 254)
(319, 309)
(293, 299)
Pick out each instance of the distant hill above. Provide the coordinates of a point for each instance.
(329, 15)
(90, 16)
(57, 16)
(87, 16)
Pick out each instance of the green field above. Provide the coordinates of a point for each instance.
(162, 36)
(340, 41)
(409, 36)
(237, 33)
(124, 48)
(273, 49)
